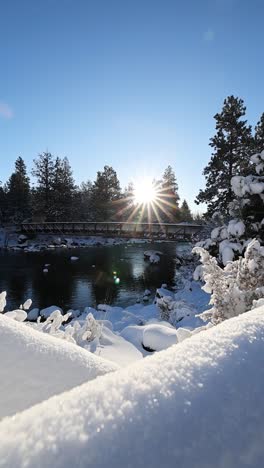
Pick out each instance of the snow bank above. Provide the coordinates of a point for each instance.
(36, 366)
(198, 404)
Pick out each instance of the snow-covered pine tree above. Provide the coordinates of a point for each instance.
(232, 146)
(259, 135)
(237, 287)
(246, 213)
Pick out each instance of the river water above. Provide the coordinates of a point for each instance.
(90, 280)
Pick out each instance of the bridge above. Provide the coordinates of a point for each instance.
(114, 229)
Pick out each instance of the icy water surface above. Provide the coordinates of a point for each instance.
(88, 281)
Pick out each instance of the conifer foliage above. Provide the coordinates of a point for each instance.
(18, 193)
(232, 147)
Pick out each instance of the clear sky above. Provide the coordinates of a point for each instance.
(129, 83)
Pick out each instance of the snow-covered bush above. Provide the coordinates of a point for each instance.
(173, 311)
(234, 288)
(76, 332)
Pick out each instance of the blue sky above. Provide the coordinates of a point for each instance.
(132, 84)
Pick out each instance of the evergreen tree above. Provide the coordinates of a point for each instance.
(63, 190)
(232, 146)
(106, 192)
(259, 135)
(3, 205)
(18, 193)
(169, 197)
(43, 192)
(185, 211)
(84, 198)
(127, 205)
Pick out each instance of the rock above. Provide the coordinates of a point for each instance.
(22, 238)
(33, 315)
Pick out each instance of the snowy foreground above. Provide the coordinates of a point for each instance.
(197, 404)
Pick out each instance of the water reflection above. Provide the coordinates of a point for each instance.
(117, 274)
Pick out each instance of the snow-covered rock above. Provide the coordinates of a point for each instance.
(157, 337)
(45, 313)
(27, 304)
(19, 315)
(154, 259)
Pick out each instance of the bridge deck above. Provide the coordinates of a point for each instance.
(112, 229)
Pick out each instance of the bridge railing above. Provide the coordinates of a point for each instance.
(112, 228)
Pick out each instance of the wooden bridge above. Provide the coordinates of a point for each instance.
(114, 229)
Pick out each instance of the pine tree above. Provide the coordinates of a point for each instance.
(169, 197)
(43, 196)
(259, 135)
(18, 192)
(63, 190)
(185, 212)
(84, 198)
(232, 146)
(3, 204)
(106, 192)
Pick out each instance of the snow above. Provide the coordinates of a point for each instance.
(27, 304)
(153, 256)
(74, 259)
(247, 185)
(51, 242)
(36, 366)
(227, 251)
(45, 313)
(198, 404)
(18, 314)
(115, 348)
(2, 301)
(154, 259)
(236, 228)
(157, 337)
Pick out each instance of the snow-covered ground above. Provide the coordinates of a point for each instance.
(36, 366)
(197, 404)
(49, 242)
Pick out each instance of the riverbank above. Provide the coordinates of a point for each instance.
(145, 325)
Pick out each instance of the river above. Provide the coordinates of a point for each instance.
(113, 275)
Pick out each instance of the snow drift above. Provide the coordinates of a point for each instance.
(36, 366)
(198, 404)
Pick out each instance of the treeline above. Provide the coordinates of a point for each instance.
(233, 145)
(54, 196)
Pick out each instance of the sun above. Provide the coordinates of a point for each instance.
(145, 192)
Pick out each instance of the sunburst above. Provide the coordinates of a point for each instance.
(149, 201)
